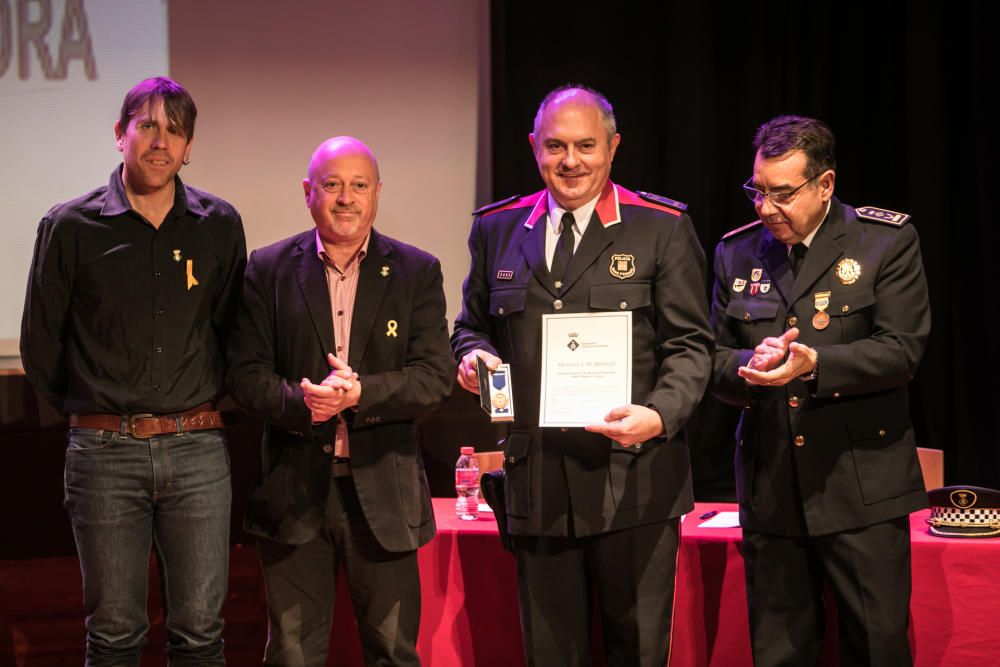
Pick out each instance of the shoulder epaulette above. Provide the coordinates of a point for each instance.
(882, 215)
(496, 204)
(740, 230)
(663, 201)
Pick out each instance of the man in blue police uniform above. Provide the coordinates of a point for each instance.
(596, 507)
(821, 316)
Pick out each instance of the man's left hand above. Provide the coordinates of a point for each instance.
(801, 360)
(629, 424)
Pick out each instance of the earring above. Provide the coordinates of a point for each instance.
(187, 161)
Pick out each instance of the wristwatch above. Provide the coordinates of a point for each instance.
(811, 375)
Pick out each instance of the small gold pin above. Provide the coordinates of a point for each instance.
(385, 271)
(177, 254)
(391, 330)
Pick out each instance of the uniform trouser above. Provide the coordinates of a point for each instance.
(170, 494)
(300, 581)
(868, 572)
(632, 573)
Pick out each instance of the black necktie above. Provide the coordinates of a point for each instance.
(796, 256)
(564, 249)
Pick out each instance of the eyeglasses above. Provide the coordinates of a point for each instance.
(777, 198)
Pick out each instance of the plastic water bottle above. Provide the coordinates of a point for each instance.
(467, 485)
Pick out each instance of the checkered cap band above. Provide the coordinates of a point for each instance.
(966, 517)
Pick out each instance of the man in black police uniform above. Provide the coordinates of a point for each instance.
(130, 294)
(821, 315)
(597, 507)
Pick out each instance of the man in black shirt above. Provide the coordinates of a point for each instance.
(129, 297)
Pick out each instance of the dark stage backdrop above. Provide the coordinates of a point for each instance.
(907, 88)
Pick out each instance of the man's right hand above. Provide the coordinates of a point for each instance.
(467, 375)
(771, 351)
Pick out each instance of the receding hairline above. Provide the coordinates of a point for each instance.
(581, 96)
(340, 147)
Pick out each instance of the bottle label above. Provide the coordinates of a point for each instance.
(466, 478)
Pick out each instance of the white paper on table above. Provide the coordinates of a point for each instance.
(722, 520)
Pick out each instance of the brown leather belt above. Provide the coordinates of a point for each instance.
(146, 425)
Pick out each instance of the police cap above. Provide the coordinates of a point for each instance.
(964, 511)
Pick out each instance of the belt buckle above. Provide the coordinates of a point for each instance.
(131, 424)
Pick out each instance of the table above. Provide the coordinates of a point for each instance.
(470, 598)
(470, 616)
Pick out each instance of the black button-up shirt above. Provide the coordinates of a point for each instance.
(125, 318)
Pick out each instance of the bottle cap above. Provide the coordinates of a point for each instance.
(467, 451)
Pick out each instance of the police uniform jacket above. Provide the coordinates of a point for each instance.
(637, 254)
(839, 452)
(398, 347)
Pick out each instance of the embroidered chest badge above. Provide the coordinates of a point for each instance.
(622, 266)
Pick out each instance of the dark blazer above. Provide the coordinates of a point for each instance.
(842, 456)
(283, 332)
(661, 279)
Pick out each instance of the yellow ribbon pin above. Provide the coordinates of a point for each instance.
(192, 281)
(391, 331)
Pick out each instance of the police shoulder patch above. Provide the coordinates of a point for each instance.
(882, 215)
(495, 205)
(739, 230)
(662, 201)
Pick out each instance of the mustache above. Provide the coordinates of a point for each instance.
(345, 209)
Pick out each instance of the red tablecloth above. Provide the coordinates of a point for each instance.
(470, 598)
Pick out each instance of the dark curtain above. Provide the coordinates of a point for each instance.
(908, 89)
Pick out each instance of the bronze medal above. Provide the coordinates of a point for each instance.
(821, 301)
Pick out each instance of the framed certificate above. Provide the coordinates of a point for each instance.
(586, 367)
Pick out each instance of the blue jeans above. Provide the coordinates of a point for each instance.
(126, 497)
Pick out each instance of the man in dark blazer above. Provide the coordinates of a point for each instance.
(340, 344)
(821, 315)
(595, 508)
